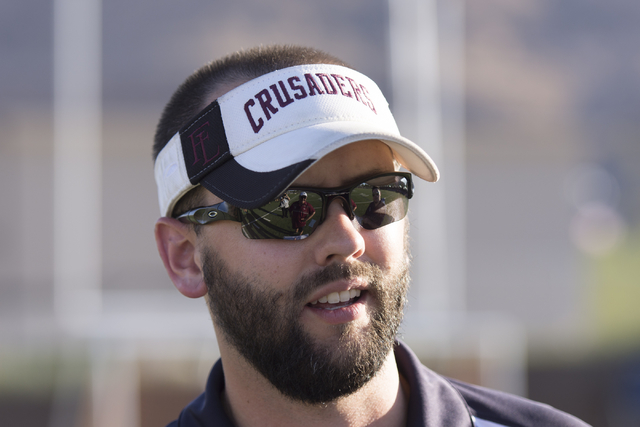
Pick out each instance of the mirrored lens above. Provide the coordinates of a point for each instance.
(291, 216)
(297, 213)
(381, 201)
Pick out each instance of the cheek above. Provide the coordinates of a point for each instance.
(275, 262)
(386, 246)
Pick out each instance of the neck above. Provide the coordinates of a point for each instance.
(250, 400)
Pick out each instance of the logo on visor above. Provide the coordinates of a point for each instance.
(280, 95)
(204, 143)
(198, 139)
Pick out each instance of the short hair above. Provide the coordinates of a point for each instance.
(194, 93)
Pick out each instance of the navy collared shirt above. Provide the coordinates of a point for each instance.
(434, 401)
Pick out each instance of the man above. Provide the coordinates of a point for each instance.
(301, 212)
(284, 205)
(375, 215)
(306, 328)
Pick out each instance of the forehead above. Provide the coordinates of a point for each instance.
(346, 164)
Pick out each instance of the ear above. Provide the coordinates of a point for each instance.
(177, 247)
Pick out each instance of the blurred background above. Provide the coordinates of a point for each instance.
(526, 271)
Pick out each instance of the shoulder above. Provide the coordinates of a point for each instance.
(438, 401)
(494, 408)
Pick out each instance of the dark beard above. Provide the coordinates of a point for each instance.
(263, 325)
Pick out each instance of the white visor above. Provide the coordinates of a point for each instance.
(251, 143)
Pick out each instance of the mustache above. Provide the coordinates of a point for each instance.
(308, 283)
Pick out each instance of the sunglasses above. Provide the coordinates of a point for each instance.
(299, 211)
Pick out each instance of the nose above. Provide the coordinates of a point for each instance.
(345, 202)
(338, 239)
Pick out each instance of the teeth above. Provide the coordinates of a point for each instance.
(345, 296)
(335, 297)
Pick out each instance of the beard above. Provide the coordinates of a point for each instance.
(264, 326)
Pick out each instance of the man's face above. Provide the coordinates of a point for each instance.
(266, 296)
(376, 196)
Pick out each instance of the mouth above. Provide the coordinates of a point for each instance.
(337, 300)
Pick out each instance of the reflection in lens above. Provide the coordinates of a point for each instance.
(381, 201)
(375, 203)
(265, 222)
(306, 212)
